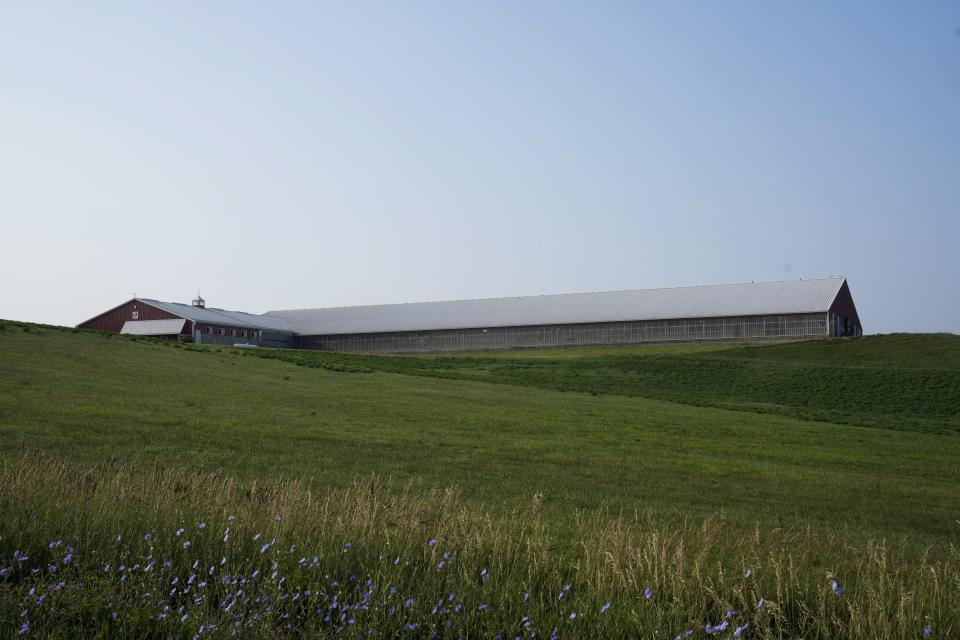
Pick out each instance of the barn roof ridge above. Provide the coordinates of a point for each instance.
(839, 279)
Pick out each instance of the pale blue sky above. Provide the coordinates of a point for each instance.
(283, 155)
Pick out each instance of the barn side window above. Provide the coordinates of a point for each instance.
(135, 315)
(219, 331)
(243, 333)
(209, 330)
(233, 332)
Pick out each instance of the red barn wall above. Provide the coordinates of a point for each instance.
(113, 320)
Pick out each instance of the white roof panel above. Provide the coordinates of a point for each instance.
(153, 327)
(712, 301)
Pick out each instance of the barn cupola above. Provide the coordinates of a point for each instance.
(199, 302)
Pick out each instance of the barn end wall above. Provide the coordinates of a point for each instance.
(848, 321)
(113, 320)
(777, 327)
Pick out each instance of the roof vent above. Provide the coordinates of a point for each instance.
(199, 302)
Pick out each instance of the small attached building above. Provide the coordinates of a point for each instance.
(196, 322)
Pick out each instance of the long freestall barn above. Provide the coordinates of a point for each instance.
(789, 310)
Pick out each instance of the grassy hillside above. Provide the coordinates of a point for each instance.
(906, 382)
(612, 470)
(90, 397)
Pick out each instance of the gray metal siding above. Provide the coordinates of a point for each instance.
(690, 330)
(276, 340)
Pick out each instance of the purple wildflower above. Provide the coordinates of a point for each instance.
(927, 631)
(408, 602)
(24, 627)
(186, 544)
(837, 589)
(202, 525)
(604, 608)
(740, 629)
(432, 542)
(179, 532)
(648, 593)
(573, 615)
(718, 628)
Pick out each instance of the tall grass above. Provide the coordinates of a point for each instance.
(277, 558)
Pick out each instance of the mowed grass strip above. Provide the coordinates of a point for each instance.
(90, 397)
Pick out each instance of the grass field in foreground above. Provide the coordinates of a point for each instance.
(738, 434)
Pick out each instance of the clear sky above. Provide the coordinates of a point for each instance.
(285, 155)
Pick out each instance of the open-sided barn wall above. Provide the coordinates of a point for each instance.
(777, 327)
(224, 335)
(113, 320)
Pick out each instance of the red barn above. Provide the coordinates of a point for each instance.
(146, 317)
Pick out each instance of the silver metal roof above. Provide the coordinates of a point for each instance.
(222, 316)
(153, 327)
(712, 301)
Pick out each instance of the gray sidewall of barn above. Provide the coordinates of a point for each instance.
(694, 330)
